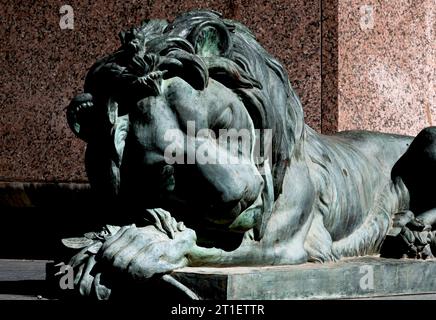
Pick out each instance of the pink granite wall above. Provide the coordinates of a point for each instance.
(329, 66)
(44, 66)
(387, 65)
(375, 73)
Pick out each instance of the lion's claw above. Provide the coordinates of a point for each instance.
(164, 222)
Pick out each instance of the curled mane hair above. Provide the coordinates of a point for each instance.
(200, 45)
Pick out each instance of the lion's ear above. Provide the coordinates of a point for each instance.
(211, 38)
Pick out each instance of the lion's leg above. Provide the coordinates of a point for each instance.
(319, 242)
(368, 237)
(250, 253)
(243, 256)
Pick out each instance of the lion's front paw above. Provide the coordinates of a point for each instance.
(110, 257)
(147, 251)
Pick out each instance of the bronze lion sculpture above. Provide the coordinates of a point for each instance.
(308, 197)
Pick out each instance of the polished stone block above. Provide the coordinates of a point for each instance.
(351, 278)
(393, 280)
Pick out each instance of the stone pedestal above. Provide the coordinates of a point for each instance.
(364, 278)
(354, 278)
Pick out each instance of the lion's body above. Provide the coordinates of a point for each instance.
(337, 201)
(356, 196)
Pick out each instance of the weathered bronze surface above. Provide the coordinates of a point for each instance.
(310, 198)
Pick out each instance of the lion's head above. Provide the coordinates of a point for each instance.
(152, 100)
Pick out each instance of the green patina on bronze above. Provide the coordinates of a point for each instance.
(317, 198)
